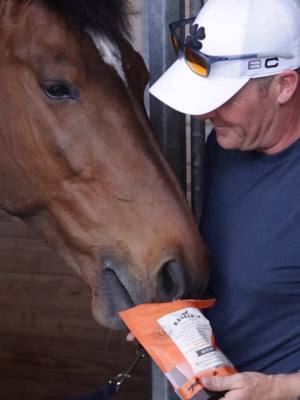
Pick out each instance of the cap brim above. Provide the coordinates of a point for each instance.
(183, 90)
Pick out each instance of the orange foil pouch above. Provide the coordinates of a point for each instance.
(180, 340)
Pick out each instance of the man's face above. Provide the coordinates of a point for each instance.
(248, 120)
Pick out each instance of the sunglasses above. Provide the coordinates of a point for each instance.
(188, 45)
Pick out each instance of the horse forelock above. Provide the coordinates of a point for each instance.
(106, 17)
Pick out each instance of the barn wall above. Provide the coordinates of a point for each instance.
(50, 346)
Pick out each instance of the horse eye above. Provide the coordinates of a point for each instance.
(60, 90)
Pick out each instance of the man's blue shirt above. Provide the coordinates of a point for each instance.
(251, 225)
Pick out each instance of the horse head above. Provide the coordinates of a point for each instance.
(79, 162)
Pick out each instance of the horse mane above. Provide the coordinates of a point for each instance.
(108, 17)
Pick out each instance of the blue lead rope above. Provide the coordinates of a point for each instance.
(107, 391)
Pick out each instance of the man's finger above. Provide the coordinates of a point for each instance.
(218, 383)
(130, 337)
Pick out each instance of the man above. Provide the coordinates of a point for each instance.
(237, 66)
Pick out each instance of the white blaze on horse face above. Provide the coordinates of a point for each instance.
(110, 53)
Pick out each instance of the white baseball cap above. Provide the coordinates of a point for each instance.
(266, 30)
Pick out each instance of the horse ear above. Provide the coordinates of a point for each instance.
(134, 65)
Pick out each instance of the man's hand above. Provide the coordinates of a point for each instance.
(130, 337)
(254, 386)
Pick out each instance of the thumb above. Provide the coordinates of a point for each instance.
(217, 383)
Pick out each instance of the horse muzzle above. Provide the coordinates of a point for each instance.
(120, 288)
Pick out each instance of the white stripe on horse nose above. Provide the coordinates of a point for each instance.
(109, 52)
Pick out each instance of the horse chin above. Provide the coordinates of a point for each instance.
(107, 306)
(108, 319)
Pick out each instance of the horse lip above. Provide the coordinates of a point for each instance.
(116, 290)
(111, 297)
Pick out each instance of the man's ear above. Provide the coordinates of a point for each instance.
(286, 84)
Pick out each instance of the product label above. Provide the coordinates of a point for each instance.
(192, 334)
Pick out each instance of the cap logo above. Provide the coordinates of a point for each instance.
(272, 62)
(195, 36)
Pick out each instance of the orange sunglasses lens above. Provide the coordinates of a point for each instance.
(196, 62)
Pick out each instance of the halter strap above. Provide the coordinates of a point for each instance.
(107, 391)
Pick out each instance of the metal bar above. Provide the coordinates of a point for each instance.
(197, 159)
(161, 389)
(197, 147)
(170, 128)
(168, 125)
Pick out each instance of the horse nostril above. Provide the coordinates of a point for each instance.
(171, 283)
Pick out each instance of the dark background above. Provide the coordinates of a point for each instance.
(50, 346)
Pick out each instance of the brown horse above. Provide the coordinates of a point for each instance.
(79, 163)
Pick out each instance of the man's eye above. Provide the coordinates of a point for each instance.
(60, 90)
